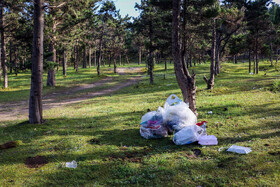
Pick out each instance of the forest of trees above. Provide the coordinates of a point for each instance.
(43, 36)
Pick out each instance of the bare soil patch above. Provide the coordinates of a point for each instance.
(36, 162)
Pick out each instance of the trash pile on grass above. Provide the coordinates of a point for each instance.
(175, 117)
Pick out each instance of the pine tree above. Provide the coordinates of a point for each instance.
(35, 100)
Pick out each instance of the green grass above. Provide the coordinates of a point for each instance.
(19, 86)
(102, 135)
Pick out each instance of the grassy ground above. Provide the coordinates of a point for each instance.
(102, 135)
(19, 86)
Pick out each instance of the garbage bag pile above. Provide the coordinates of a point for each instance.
(175, 117)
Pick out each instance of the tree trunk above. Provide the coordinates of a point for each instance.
(77, 59)
(257, 57)
(140, 55)
(16, 62)
(190, 61)
(127, 60)
(74, 56)
(58, 62)
(165, 64)
(249, 61)
(11, 61)
(51, 71)
(64, 62)
(109, 60)
(254, 60)
(84, 58)
(235, 59)
(89, 58)
(185, 81)
(115, 64)
(0, 65)
(3, 48)
(120, 60)
(99, 58)
(276, 62)
(150, 68)
(271, 55)
(257, 63)
(94, 58)
(35, 100)
(217, 58)
(210, 81)
(150, 55)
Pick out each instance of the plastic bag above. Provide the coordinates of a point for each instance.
(72, 164)
(147, 117)
(153, 133)
(239, 149)
(152, 125)
(172, 100)
(178, 116)
(187, 135)
(207, 140)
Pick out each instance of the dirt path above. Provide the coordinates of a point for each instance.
(19, 110)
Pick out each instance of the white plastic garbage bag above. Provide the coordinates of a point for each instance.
(178, 116)
(187, 135)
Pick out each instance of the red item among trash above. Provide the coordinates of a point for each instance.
(153, 126)
(201, 123)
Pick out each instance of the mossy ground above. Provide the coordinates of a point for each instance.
(102, 135)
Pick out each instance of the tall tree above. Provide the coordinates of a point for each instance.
(184, 79)
(107, 13)
(210, 81)
(35, 100)
(257, 18)
(3, 47)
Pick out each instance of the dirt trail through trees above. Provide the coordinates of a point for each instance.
(19, 110)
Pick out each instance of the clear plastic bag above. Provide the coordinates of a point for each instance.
(239, 149)
(187, 135)
(72, 164)
(152, 125)
(172, 100)
(159, 131)
(207, 140)
(178, 116)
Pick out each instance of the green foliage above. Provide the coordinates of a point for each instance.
(49, 65)
(237, 44)
(212, 12)
(102, 135)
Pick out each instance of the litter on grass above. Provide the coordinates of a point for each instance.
(208, 140)
(72, 164)
(175, 117)
(239, 149)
